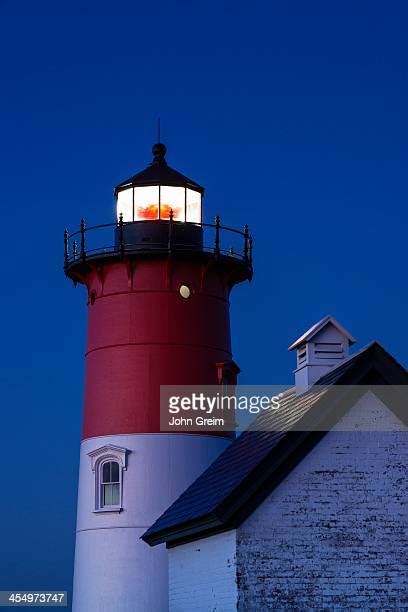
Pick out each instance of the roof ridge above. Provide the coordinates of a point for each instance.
(317, 327)
(350, 358)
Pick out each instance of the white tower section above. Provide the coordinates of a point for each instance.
(115, 571)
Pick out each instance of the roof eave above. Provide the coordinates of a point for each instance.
(184, 532)
(129, 183)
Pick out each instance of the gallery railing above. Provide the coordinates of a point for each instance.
(110, 239)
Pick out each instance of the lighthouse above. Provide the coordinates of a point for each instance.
(158, 282)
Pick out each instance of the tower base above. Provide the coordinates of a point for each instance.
(115, 571)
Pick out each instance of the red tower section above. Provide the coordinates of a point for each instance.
(158, 298)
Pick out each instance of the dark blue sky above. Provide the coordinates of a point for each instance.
(295, 122)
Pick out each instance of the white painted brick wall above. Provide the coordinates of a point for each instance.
(333, 535)
(202, 575)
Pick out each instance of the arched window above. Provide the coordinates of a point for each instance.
(108, 464)
(110, 484)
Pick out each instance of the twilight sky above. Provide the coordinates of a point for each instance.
(295, 123)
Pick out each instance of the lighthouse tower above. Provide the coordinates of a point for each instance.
(158, 282)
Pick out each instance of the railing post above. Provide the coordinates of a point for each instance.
(250, 251)
(83, 252)
(170, 230)
(75, 250)
(66, 248)
(217, 236)
(121, 245)
(246, 237)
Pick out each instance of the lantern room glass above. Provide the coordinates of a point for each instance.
(193, 206)
(149, 203)
(124, 204)
(146, 203)
(172, 198)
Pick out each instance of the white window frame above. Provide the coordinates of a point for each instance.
(99, 457)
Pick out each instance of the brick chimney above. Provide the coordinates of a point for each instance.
(323, 347)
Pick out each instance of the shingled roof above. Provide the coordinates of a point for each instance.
(246, 472)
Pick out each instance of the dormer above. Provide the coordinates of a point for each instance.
(323, 347)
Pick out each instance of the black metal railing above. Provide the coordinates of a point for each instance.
(98, 240)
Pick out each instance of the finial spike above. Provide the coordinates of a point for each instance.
(158, 130)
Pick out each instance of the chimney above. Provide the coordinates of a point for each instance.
(323, 347)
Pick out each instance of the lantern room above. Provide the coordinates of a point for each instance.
(154, 192)
(158, 210)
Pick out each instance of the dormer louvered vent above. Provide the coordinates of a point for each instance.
(302, 355)
(328, 350)
(320, 349)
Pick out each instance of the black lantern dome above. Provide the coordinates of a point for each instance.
(158, 189)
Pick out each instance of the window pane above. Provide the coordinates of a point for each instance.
(146, 203)
(110, 471)
(114, 471)
(125, 204)
(193, 206)
(106, 472)
(115, 494)
(107, 495)
(172, 198)
(110, 494)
